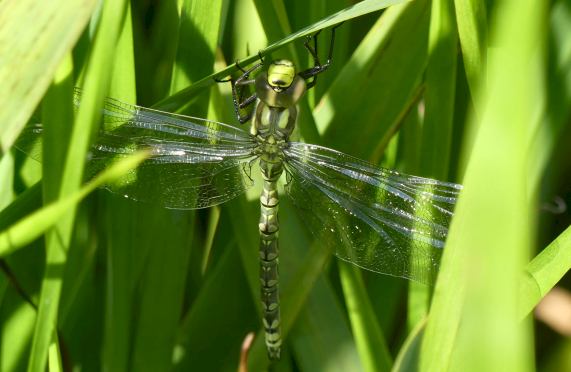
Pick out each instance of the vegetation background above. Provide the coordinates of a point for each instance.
(472, 91)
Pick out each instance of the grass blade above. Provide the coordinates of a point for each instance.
(17, 317)
(472, 31)
(408, 359)
(120, 242)
(485, 254)
(439, 92)
(371, 344)
(197, 37)
(57, 116)
(558, 95)
(49, 29)
(440, 85)
(545, 271)
(96, 84)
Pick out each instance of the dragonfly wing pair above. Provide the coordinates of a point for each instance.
(375, 218)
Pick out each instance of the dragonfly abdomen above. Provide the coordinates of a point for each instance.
(269, 254)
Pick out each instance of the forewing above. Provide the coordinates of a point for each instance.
(194, 163)
(375, 218)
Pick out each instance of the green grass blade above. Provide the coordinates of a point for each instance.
(197, 37)
(408, 160)
(439, 92)
(371, 344)
(248, 33)
(440, 85)
(408, 359)
(123, 81)
(545, 271)
(276, 24)
(49, 29)
(120, 241)
(351, 12)
(303, 13)
(472, 31)
(57, 117)
(54, 358)
(17, 317)
(270, 12)
(558, 93)
(122, 260)
(6, 180)
(96, 85)
(80, 302)
(487, 247)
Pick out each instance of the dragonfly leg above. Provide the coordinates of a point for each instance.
(318, 68)
(246, 73)
(238, 86)
(240, 67)
(240, 103)
(261, 57)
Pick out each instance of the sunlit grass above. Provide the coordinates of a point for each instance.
(428, 87)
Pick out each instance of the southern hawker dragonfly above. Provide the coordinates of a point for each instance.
(375, 218)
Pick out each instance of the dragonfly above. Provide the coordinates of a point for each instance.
(375, 218)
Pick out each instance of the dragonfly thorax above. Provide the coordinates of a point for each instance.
(272, 125)
(278, 90)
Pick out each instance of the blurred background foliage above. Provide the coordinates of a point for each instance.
(471, 91)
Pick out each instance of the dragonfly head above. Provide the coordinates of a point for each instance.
(279, 86)
(281, 74)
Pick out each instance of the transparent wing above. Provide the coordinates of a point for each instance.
(194, 163)
(375, 218)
